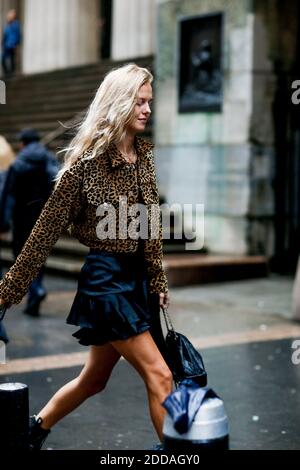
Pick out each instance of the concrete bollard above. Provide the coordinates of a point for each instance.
(14, 412)
(209, 430)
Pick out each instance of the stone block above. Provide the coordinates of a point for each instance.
(226, 235)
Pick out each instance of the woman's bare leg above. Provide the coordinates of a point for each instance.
(91, 380)
(142, 352)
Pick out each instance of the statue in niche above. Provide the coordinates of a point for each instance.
(204, 89)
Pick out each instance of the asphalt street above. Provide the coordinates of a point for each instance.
(243, 330)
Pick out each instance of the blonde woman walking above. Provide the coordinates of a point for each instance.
(105, 161)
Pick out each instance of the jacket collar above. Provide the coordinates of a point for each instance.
(142, 147)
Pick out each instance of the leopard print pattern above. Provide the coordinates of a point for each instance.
(72, 205)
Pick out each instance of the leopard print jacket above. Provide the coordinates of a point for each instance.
(88, 184)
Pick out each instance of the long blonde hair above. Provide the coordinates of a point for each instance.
(7, 155)
(108, 115)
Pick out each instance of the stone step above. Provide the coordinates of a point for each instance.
(72, 72)
(59, 142)
(182, 269)
(41, 100)
(38, 116)
(68, 246)
(40, 88)
(55, 264)
(31, 101)
(187, 269)
(43, 121)
(69, 75)
(40, 106)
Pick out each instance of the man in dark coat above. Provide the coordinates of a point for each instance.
(10, 41)
(28, 185)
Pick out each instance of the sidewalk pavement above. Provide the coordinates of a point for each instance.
(245, 336)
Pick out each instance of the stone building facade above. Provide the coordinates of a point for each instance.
(240, 162)
(65, 33)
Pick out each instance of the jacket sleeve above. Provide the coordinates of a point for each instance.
(158, 282)
(58, 213)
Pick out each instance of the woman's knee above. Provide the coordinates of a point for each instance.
(93, 381)
(97, 371)
(92, 385)
(159, 380)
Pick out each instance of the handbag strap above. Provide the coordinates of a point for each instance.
(3, 309)
(168, 322)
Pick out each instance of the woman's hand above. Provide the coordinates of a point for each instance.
(164, 300)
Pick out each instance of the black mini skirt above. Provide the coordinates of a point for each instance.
(111, 302)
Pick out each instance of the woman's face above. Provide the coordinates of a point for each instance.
(142, 111)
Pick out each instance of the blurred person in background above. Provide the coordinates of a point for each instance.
(28, 185)
(7, 157)
(11, 39)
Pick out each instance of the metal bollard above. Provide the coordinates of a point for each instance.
(14, 412)
(209, 430)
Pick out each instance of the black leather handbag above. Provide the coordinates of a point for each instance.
(184, 360)
(3, 334)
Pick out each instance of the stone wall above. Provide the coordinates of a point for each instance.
(64, 33)
(206, 157)
(229, 160)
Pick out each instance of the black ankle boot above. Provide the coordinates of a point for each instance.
(37, 435)
(157, 447)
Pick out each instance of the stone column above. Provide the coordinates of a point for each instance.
(59, 34)
(133, 31)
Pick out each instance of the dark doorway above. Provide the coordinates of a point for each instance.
(287, 167)
(105, 28)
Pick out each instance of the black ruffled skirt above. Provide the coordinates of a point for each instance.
(111, 301)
